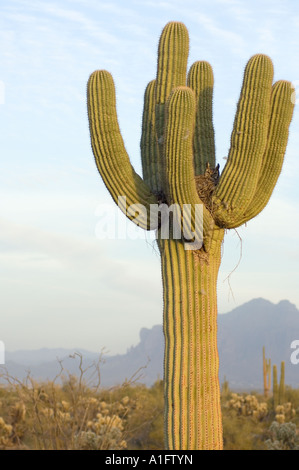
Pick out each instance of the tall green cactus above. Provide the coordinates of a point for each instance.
(178, 159)
(266, 374)
(275, 388)
(279, 391)
(282, 384)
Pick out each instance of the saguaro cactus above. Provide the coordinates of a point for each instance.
(266, 374)
(279, 391)
(282, 384)
(178, 158)
(275, 387)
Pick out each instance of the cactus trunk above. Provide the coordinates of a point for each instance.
(192, 393)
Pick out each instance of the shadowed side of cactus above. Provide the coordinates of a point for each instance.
(179, 171)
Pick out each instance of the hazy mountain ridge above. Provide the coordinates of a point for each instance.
(242, 333)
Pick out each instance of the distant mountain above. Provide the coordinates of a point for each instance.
(242, 333)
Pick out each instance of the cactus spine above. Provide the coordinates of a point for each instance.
(266, 374)
(178, 160)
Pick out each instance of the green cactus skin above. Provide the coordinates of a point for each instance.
(192, 395)
(275, 388)
(266, 374)
(282, 384)
(178, 161)
(279, 391)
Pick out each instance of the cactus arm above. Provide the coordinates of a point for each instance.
(174, 112)
(178, 147)
(149, 143)
(172, 66)
(282, 108)
(178, 154)
(110, 154)
(239, 179)
(171, 73)
(201, 80)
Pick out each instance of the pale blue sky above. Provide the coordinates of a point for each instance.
(60, 285)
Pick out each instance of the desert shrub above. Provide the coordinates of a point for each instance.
(245, 420)
(241, 433)
(144, 420)
(71, 413)
(284, 413)
(248, 405)
(282, 436)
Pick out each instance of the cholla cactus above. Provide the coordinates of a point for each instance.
(66, 406)
(248, 405)
(179, 171)
(18, 412)
(284, 412)
(105, 433)
(90, 440)
(5, 434)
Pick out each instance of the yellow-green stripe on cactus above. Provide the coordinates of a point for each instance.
(179, 171)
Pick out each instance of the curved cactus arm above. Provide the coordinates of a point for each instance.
(171, 72)
(173, 53)
(179, 171)
(201, 80)
(110, 154)
(282, 107)
(149, 143)
(239, 179)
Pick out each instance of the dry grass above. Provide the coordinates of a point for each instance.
(69, 413)
(75, 413)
